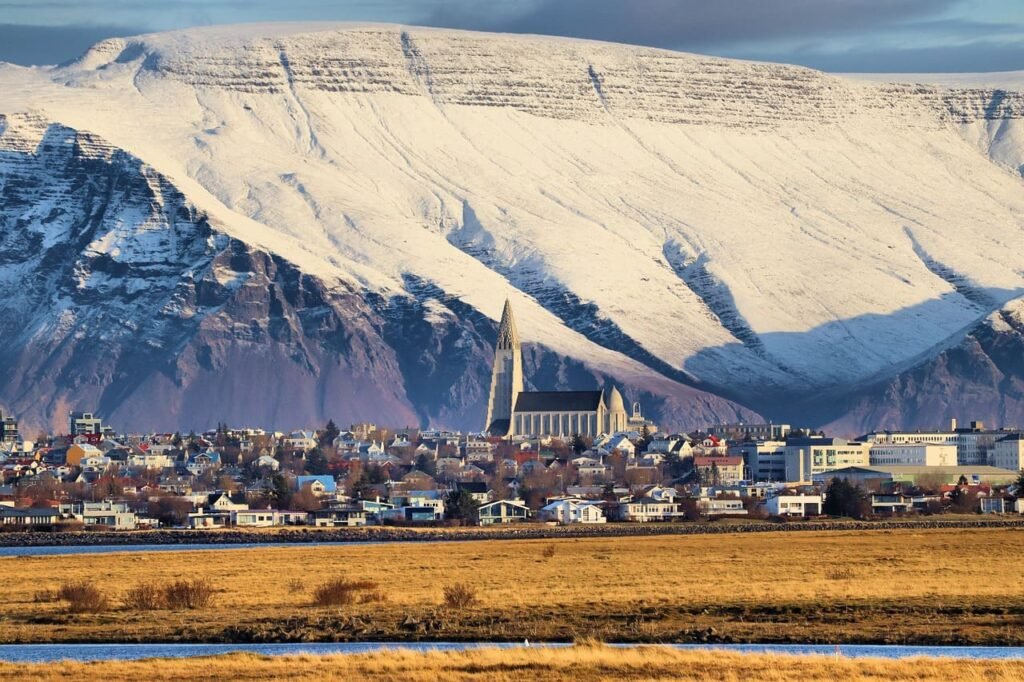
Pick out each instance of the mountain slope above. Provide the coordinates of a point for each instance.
(762, 231)
(119, 295)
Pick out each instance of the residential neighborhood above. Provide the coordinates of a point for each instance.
(93, 477)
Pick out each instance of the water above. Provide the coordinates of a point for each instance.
(44, 653)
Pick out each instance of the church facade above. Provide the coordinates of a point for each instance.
(513, 411)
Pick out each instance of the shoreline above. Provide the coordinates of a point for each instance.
(583, 661)
(387, 534)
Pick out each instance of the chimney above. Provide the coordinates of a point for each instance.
(952, 424)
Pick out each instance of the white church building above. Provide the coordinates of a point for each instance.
(513, 411)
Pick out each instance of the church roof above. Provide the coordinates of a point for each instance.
(558, 401)
(508, 335)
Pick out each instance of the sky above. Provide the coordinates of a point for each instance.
(901, 36)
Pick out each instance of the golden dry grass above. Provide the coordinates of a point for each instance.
(586, 662)
(611, 588)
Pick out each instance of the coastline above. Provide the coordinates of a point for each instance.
(385, 534)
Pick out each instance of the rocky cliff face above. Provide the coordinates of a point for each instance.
(285, 223)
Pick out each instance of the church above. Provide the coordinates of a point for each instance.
(511, 411)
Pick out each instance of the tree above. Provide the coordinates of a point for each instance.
(1019, 483)
(676, 466)
(426, 464)
(280, 494)
(578, 444)
(645, 439)
(845, 499)
(331, 432)
(316, 463)
(962, 500)
(459, 504)
(170, 510)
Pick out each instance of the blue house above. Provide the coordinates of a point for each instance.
(318, 485)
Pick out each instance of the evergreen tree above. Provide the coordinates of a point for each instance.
(578, 444)
(331, 432)
(845, 499)
(426, 464)
(459, 504)
(316, 463)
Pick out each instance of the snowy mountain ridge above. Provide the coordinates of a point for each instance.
(672, 221)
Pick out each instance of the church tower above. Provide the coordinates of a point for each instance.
(507, 376)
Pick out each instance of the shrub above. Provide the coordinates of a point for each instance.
(295, 586)
(459, 596)
(44, 597)
(188, 594)
(145, 597)
(548, 551)
(344, 592)
(82, 597)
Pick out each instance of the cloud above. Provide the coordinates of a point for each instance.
(37, 45)
(688, 24)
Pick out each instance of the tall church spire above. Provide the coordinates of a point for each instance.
(508, 335)
(506, 377)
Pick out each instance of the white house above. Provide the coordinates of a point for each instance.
(794, 505)
(721, 506)
(300, 440)
(646, 509)
(266, 462)
(621, 443)
(572, 511)
(502, 511)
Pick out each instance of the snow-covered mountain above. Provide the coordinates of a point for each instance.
(287, 222)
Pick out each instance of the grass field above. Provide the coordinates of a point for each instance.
(920, 586)
(588, 662)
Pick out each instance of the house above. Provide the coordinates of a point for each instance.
(76, 452)
(448, 466)
(348, 516)
(417, 480)
(567, 511)
(794, 505)
(266, 462)
(28, 516)
(478, 490)
(114, 515)
(303, 441)
(646, 509)
(994, 505)
(254, 518)
(318, 485)
(288, 517)
(374, 451)
(721, 505)
(502, 511)
(200, 462)
(891, 504)
(374, 509)
(416, 505)
(222, 501)
(478, 451)
(208, 519)
(719, 469)
(621, 443)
